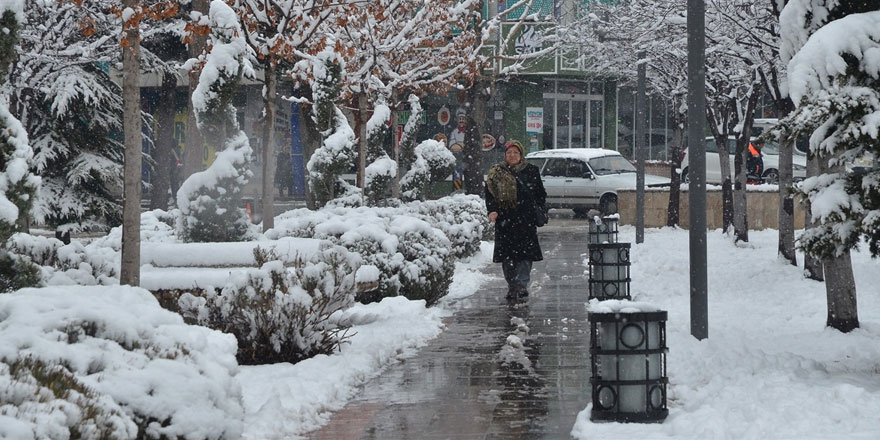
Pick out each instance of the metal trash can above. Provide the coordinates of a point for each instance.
(628, 361)
(609, 271)
(604, 229)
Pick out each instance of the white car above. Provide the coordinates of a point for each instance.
(586, 178)
(771, 162)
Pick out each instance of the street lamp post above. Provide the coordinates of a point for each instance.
(696, 31)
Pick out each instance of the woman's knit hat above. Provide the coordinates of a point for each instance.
(515, 144)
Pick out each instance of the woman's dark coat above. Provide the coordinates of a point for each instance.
(516, 236)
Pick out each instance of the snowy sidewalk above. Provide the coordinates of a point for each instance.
(497, 371)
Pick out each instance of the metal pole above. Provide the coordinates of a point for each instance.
(641, 148)
(696, 30)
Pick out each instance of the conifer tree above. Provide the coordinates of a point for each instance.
(337, 151)
(210, 200)
(17, 185)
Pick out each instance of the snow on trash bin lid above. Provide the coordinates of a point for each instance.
(619, 306)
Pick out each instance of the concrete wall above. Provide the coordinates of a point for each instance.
(762, 209)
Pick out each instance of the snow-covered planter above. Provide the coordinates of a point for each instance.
(278, 313)
(108, 362)
(461, 217)
(210, 200)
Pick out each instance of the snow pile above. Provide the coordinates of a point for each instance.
(109, 362)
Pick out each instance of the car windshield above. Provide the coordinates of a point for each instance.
(611, 165)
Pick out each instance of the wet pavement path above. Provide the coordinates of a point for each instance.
(499, 370)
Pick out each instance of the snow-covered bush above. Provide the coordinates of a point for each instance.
(210, 200)
(337, 151)
(433, 163)
(110, 363)
(278, 313)
(95, 263)
(414, 257)
(67, 264)
(461, 217)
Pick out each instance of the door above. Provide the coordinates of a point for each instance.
(578, 123)
(554, 179)
(580, 189)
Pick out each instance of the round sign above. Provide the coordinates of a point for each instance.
(443, 116)
(488, 142)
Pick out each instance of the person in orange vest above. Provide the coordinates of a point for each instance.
(755, 162)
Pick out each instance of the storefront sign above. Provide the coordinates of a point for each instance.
(534, 119)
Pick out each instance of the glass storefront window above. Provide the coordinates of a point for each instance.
(547, 140)
(574, 87)
(658, 133)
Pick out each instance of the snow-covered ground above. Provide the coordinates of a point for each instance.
(769, 369)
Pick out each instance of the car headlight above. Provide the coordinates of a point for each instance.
(796, 167)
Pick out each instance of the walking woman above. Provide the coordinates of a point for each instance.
(513, 193)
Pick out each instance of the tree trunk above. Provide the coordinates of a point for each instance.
(786, 203)
(362, 118)
(311, 139)
(268, 202)
(165, 142)
(812, 265)
(740, 205)
(131, 124)
(720, 132)
(194, 144)
(840, 290)
(672, 210)
(473, 149)
(786, 194)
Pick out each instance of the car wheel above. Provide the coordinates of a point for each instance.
(684, 176)
(608, 204)
(771, 176)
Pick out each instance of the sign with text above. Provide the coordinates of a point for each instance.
(534, 119)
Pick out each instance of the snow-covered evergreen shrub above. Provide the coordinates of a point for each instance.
(17, 185)
(427, 266)
(210, 200)
(337, 151)
(281, 314)
(41, 400)
(381, 169)
(413, 257)
(461, 217)
(433, 163)
(407, 141)
(108, 362)
(66, 264)
(72, 111)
